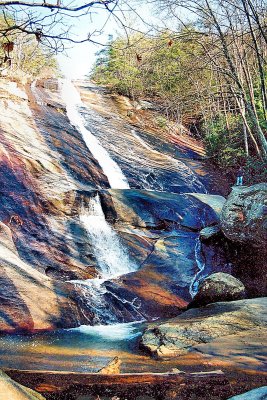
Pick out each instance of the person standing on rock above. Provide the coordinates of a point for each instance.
(239, 179)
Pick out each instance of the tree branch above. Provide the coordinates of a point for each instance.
(57, 6)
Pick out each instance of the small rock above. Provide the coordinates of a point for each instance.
(113, 367)
(218, 287)
(209, 232)
(177, 371)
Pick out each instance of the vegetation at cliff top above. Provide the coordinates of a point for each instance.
(209, 74)
(23, 57)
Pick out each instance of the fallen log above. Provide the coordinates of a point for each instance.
(150, 386)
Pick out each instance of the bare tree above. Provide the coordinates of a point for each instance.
(50, 22)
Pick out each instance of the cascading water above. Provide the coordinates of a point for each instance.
(201, 265)
(110, 168)
(112, 259)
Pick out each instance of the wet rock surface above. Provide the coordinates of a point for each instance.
(160, 231)
(42, 240)
(150, 158)
(30, 301)
(218, 287)
(48, 175)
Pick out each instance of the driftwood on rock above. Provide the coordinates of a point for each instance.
(163, 386)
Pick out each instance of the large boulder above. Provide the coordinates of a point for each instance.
(200, 326)
(244, 215)
(218, 287)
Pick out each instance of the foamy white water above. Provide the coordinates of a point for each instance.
(110, 168)
(124, 331)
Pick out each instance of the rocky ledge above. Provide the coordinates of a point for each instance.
(207, 329)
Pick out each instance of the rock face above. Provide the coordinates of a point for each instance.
(48, 176)
(244, 215)
(218, 287)
(10, 389)
(203, 326)
(30, 301)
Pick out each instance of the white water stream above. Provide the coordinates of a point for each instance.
(110, 168)
(111, 257)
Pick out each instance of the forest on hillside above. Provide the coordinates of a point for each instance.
(209, 73)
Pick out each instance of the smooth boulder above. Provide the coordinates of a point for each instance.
(218, 287)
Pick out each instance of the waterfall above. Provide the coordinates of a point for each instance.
(110, 168)
(112, 260)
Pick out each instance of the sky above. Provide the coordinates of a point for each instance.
(77, 61)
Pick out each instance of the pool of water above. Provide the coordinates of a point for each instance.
(83, 349)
